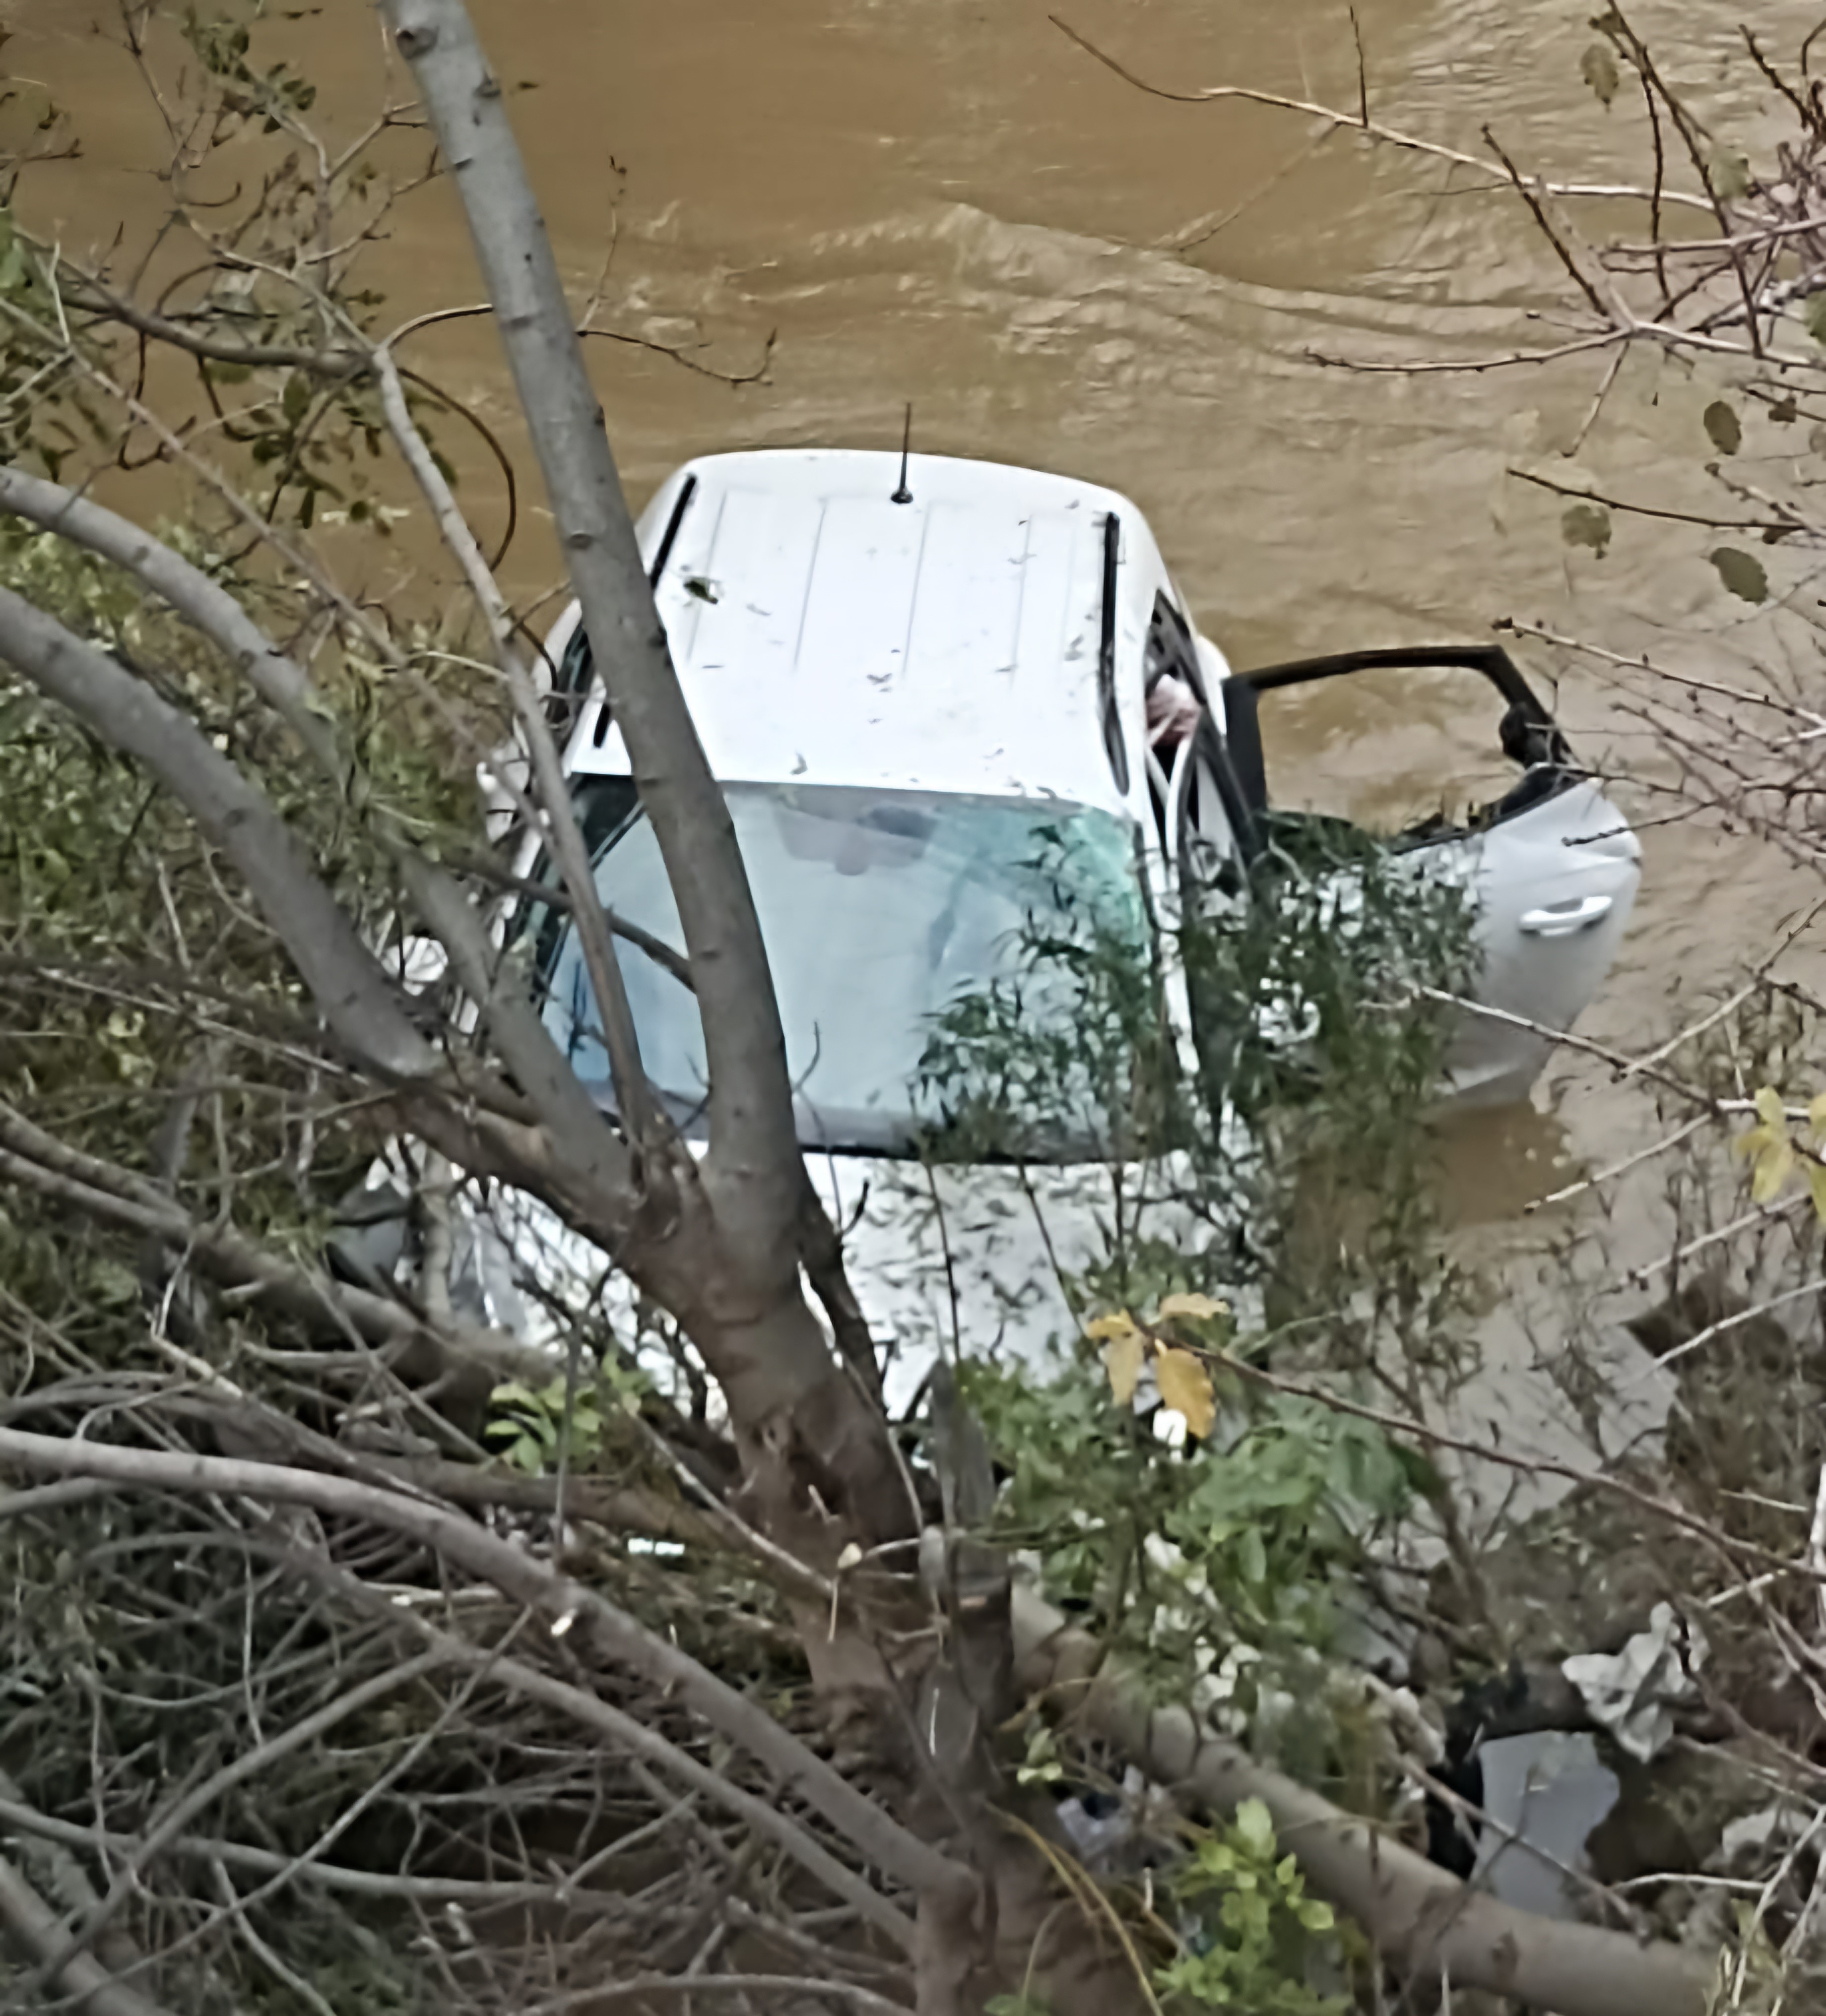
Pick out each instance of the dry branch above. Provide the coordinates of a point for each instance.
(565, 1606)
(35, 1927)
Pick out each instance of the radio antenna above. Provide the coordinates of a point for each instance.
(903, 496)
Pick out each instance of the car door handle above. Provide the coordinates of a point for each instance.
(1560, 920)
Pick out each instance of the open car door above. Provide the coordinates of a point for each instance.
(1404, 743)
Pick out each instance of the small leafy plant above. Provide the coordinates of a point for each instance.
(1259, 1936)
(532, 1422)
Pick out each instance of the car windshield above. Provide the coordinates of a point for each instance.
(880, 909)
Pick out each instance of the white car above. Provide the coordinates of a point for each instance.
(914, 676)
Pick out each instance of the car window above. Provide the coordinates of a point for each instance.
(1174, 685)
(577, 666)
(1394, 751)
(880, 910)
(1209, 856)
(1170, 648)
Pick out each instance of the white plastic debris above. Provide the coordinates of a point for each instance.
(1630, 1693)
(1750, 1842)
(1145, 1814)
(1544, 1793)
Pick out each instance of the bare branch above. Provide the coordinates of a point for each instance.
(1531, 195)
(1408, 143)
(265, 1862)
(634, 1097)
(560, 1602)
(35, 1926)
(245, 1764)
(491, 871)
(279, 680)
(777, 1357)
(1588, 496)
(648, 1987)
(752, 1126)
(114, 1195)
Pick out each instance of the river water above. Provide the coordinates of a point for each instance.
(948, 201)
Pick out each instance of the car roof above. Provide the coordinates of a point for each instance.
(826, 634)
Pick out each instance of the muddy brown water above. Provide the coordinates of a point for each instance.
(947, 201)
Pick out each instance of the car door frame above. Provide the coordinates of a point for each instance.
(1529, 734)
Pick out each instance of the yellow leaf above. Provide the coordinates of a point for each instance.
(1105, 1328)
(1201, 1308)
(1817, 1114)
(1817, 1183)
(1773, 1166)
(1122, 1360)
(1185, 1386)
(1769, 1146)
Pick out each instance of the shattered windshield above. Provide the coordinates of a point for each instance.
(879, 909)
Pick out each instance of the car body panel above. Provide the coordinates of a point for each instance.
(947, 644)
(1553, 887)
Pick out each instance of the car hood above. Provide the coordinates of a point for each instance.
(984, 1259)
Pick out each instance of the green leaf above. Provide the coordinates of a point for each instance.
(113, 1283)
(1254, 1561)
(295, 396)
(1813, 315)
(1730, 172)
(1723, 428)
(1255, 1827)
(1422, 1473)
(1742, 573)
(527, 1455)
(1586, 525)
(1598, 67)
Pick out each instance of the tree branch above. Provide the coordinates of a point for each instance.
(1408, 143)
(244, 1765)
(209, 607)
(765, 1816)
(115, 1196)
(35, 1928)
(753, 1132)
(1420, 1916)
(637, 935)
(578, 1130)
(471, 1892)
(355, 993)
(640, 1111)
(563, 1603)
(759, 1337)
